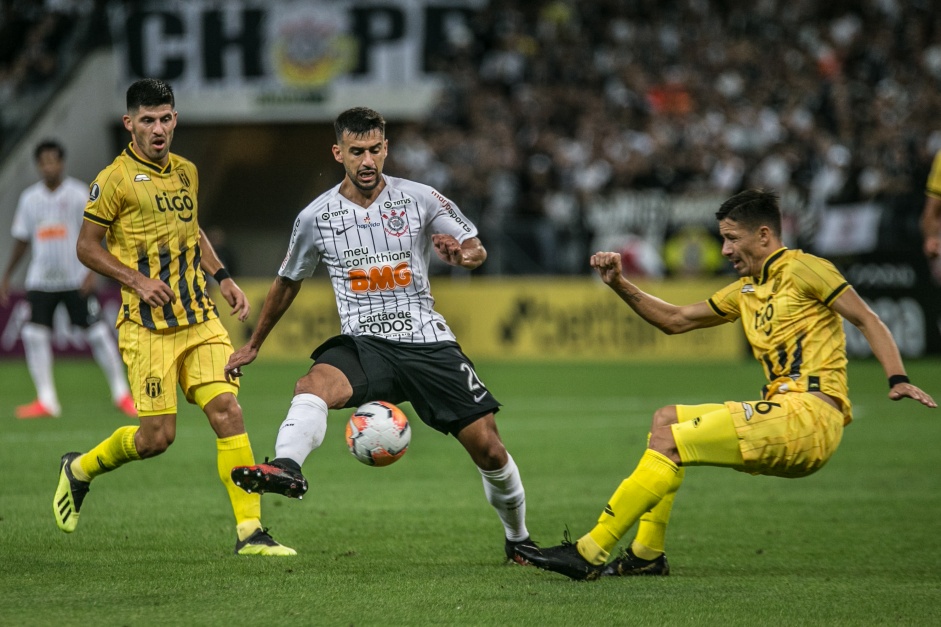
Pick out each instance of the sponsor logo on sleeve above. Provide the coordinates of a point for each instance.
(287, 257)
(449, 208)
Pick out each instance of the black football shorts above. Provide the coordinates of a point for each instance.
(83, 310)
(437, 378)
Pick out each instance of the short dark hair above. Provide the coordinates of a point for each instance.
(753, 208)
(149, 92)
(358, 121)
(48, 144)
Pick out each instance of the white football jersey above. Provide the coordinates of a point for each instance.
(377, 257)
(50, 222)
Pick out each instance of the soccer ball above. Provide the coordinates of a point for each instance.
(378, 433)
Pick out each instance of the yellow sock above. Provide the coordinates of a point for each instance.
(651, 480)
(237, 451)
(116, 451)
(650, 540)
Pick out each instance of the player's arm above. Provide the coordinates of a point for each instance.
(19, 250)
(232, 293)
(154, 292)
(931, 226)
(853, 308)
(667, 317)
(280, 296)
(468, 254)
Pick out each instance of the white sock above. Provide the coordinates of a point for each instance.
(304, 428)
(105, 351)
(504, 490)
(37, 342)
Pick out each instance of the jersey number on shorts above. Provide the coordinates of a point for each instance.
(473, 383)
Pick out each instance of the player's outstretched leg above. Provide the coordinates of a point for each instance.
(563, 559)
(69, 495)
(279, 476)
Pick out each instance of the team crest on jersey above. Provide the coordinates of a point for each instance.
(185, 179)
(153, 387)
(395, 223)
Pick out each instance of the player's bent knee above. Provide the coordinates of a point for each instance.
(485, 448)
(152, 444)
(326, 382)
(709, 438)
(663, 417)
(493, 458)
(661, 437)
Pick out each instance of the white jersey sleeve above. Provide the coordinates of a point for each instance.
(377, 257)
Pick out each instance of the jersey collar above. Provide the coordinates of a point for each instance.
(150, 164)
(766, 267)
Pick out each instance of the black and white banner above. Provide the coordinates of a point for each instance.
(273, 53)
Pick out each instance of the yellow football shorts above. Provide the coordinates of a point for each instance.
(787, 435)
(158, 361)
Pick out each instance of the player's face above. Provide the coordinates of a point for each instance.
(50, 167)
(745, 248)
(152, 132)
(362, 157)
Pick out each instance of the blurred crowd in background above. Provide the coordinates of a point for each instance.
(551, 108)
(551, 104)
(40, 41)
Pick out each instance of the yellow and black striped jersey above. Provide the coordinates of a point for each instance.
(151, 215)
(788, 321)
(933, 188)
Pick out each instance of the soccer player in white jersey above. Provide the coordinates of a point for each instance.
(375, 234)
(47, 221)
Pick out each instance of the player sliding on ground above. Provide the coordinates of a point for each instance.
(792, 306)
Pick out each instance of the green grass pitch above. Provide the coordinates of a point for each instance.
(415, 543)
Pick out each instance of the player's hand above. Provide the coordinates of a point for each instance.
(448, 249)
(241, 357)
(236, 298)
(87, 288)
(907, 390)
(608, 266)
(154, 292)
(933, 247)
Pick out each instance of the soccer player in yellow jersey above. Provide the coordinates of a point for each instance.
(792, 306)
(144, 205)
(931, 214)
